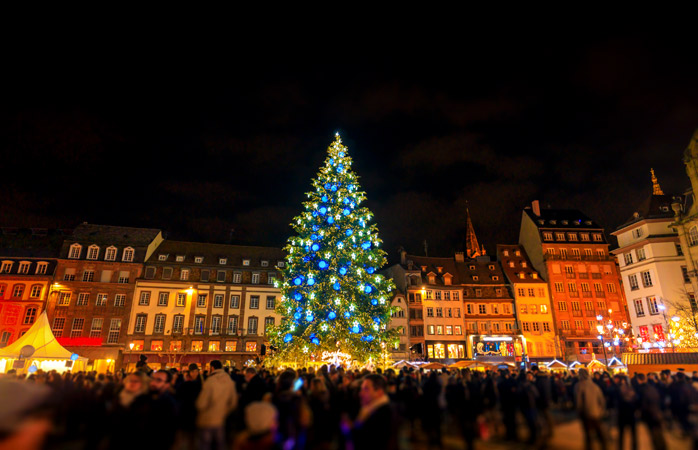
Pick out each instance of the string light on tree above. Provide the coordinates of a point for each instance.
(330, 275)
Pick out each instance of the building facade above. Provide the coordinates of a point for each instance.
(95, 279)
(571, 252)
(25, 284)
(197, 302)
(399, 321)
(653, 268)
(531, 303)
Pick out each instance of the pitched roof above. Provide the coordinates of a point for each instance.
(654, 207)
(561, 218)
(462, 272)
(521, 264)
(109, 234)
(211, 253)
(660, 358)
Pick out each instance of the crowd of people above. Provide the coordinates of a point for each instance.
(330, 407)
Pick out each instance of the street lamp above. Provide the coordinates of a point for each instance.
(130, 346)
(599, 328)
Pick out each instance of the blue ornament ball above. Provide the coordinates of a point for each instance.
(315, 227)
(370, 270)
(315, 340)
(374, 302)
(322, 264)
(322, 210)
(297, 281)
(332, 315)
(347, 314)
(346, 211)
(288, 338)
(367, 289)
(341, 154)
(337, 286)
(327, 185)
(330, 219)
(333, 188)
(366, 245)
(368, 338)
(349, 232)
(355, 329)
(324, 198)
(342, 270)
(313, 237)
(297, 316)
(311, 281)
(315, 247)
(297, 296)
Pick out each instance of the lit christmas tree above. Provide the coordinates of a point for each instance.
(333, 300)
(683, 329)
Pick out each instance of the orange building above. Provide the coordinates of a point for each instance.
(571, 253)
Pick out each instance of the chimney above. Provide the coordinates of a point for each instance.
(536, 207)
(459, 257)
(403, 256)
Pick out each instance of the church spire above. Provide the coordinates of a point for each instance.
(472, 247)
(656, 189)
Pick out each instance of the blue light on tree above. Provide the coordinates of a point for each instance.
(367, 289)
(311, 281)
(366, 245)
(346, 211)
(349, 232)
(314, 339)
(315, 247)
(322, 210)
(342, 271)
(298, 281)
(330, 219)
(374, 302)
(322, 264)
(337, 286)
(332, 315)
(370, 270)
(288, 338)
(297, 296)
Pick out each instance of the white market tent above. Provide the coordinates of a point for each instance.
(48, 353)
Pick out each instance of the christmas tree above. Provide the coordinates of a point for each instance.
(333, 300)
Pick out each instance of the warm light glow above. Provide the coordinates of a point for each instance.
(131, 346)
(599, 317)
(675, 318)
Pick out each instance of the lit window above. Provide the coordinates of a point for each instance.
(128, 254)
(156, 345)
(110, 254)
(184, 274)
(74, 252)
(222, 261)
(92, 252)
(251, 346)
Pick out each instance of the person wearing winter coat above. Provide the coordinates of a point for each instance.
(591, 406)
(217, 399)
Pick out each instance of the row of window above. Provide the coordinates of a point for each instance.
(83, 299)
(221, 260)
(584, 287)
(157, 345)
(482, 308)
(24, 266)
(106, 276)
(646, 277)
(531, 292)
(588, 306)
(216, 325)
(19, 289)
(653, 306)
(571, 236)
(110, 253)
(656, 335)
(220, 276)
(533, 309)
(449, 330)
(450, 312)
(95, 331)
(448, 295)
(535, 327)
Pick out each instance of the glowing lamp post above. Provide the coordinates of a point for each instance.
(599, 328)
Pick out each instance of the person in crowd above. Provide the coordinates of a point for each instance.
(544, 401)
(261, 421)
(374, 427)
(625, 400)
(650, 404)
(24, 422)
(294, 413)
(186, 395)
(591, 406)
(164, 407)
(217, 399)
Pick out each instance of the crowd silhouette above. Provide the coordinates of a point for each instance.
(334, 408)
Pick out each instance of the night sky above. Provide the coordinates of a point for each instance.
(202, 142)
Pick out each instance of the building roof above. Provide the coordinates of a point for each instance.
(521, 264)
(211, 254)
(471, 271)
(562, 219)
(654, 207)
(115, 235)
(30, 242)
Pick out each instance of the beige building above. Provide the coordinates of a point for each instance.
(199, 302)
(398, 321)
(531, 302)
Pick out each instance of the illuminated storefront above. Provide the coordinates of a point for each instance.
(497, 348)
(446, 350)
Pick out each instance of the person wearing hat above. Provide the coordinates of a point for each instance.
(591, 406)
(262, 422)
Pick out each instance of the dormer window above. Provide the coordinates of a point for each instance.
(553, 222)
(522, 275)
(245, 262)
(222, 261)
(439, 269)
(24, 267)
(180, 258)
(424, 268)
(587, 222)
(74, 252)
(495, 278)
(564, 222)
(541, 221)
(511, 264)
(280, 264)
(491, 267)
(472, 267)
(110, 254)
(128, 254)
(523, 264)
(475, 278)
(534, 275)
(162, 257)
(92, 252)
(447, 279)
(198, 259)
(505, 252)
(265, 263)
(518, 252)
(432, 279)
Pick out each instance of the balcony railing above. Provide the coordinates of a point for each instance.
(577, 313)
(574, 294)
(600, 294)
(586, 294)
